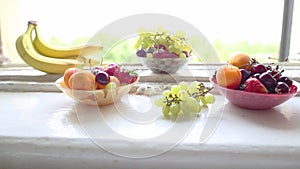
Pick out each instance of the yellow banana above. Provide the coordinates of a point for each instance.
(54, 51)
(28, 53)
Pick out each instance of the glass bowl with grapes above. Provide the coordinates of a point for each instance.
(163, 52)
(254, 86)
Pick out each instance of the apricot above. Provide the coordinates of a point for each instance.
(229, 76)
(240, 60)
(68, 73)
(82, 81)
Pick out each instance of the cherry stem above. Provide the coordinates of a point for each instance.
(90, 63)
(101, 62)
(278, 73)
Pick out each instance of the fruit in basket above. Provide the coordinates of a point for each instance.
(256, 77)
(82, 80)
(98, 77)
(286, 80)
(96, 69)
(115, 80)
(112, 69)
(162, 51)
(102, 77)
(112, 79)
(258, 69)
(245, 75)
(282, 87)
(254, 85)
(68, 73)
(229, 76)
(163, 44)
(240, 60)
(268, 80)
(127, 76)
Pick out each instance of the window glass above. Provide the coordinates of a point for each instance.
(251, 26)
(295, 36)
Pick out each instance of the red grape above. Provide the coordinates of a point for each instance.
(141, 53)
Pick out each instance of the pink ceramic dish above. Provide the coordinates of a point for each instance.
(255, 101)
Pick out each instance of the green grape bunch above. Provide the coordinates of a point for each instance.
(186, 99)
(162, 44)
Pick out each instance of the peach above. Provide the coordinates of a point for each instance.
(229, 76)
(240, 60)
(82, 81)
(68, 73)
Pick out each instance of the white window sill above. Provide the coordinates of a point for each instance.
(47, 130)
(41, 128)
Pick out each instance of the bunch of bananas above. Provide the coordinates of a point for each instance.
(50, 58)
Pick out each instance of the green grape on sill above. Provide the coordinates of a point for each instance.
(184, 98)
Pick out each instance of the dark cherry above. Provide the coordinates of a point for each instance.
(256, 75)
(282, 87)
(286, 80)
(268, 80)
(245, 75)
(259, 68)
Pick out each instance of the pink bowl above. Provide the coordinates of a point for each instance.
(255, 101)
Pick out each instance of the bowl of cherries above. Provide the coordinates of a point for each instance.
(100, 85)
(163, 52)
(249, 84)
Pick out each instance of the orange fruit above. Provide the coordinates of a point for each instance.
(68, 73)
(240, 60)
(82, 81)
(229, 76)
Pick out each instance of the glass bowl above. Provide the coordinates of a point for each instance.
(252, 100)
(164, 65)
(95, 97)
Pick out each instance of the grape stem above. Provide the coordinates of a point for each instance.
(201, 92)
(173, 99)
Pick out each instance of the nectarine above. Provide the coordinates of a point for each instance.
(240, 60)
(229, 76)
(82, 81)
(68, 73)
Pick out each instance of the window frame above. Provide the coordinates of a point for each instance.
(286, 30)
(12, 79)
